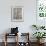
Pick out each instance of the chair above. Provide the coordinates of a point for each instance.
(7, 35)
(14, 32)
(24, 36)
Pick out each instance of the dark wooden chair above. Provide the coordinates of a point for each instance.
(8, 35)
(27, 43)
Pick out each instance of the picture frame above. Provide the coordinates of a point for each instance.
(40, 12)
(17, 14)
(41, 8)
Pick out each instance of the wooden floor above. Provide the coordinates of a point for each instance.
(13, 44)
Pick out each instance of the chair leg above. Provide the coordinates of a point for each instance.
(5, 43)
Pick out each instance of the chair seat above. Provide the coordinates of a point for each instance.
(9, 34)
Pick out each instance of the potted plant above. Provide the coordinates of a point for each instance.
(39, 35)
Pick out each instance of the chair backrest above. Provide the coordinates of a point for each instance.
(14, 30)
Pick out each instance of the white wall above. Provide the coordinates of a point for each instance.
(29, 15)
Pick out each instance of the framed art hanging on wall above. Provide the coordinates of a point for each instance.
(41, 8)
(17, 14)
(41, 12)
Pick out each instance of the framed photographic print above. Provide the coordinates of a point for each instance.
(17, 14)
(41, 12)
(41, 8)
